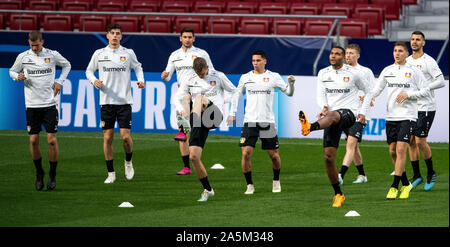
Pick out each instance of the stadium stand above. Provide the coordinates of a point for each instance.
(223, 25)
(157, 24)
(93, 23)
(23, 22)
(128, 23)
(57, 22)
(208, 7)
(143, 6)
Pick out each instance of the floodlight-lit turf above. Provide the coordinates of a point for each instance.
(161, 198)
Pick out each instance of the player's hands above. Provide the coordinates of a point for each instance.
(230, 120)
(98, 84)
(56, 88)
(401, 97)
(362, 118)
(141, 84)
(361, 98)
(21, 77)
(164, 75)
(291, 79)
(323, 113)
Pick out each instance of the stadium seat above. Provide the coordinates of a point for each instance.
(2, 22)
(317, 27)
(290, 1)
(241, 7)
(127, 22)
(287, 26)
(374, 14)
(337, 9)
(353, 2)
(392, 7)
(93, 23)
(409, 2)
(322, 1)
(157, 24)
(143, 6)
(195, 22)
(57, 22)
(208, 7)
(11, 4)
(23, 22)
(110, 5)
(222, 25)
(354, 28)
(304, 9)
(272, 8)
(250, 25)
(42, 4)
(75, 5)
(176, 6)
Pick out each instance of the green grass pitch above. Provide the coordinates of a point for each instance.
(161, 198)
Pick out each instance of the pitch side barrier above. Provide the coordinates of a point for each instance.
(153, 111)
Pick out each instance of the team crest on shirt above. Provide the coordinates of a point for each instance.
(346, 79)
(408, 75)
(266, 79)
(419, 66)
(212, 83)
(123, 59)
(194, 57)
(242, 140)
(47, 60)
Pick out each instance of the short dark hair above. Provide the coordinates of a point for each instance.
(418, 33)
(401, 43)
(354, 47)
(187, 30)
(35, 35)
(339, 47)
(260, 52)
(199, 64)
(113, 26)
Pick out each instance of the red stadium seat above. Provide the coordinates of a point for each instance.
(129, 24)
(194, 22)
(42, 4)
(409, 2)
(241, 7)
(208, 7)
(374, 14)
(57, 22)
(111, 5)
(305, 9)
(353, 2)
(250, 25)
(290, 1)
(157, 24)
(222, 24)
(176, 6)
(392, 7)
(23, 22)
(11, 4)
(337, 9)
(2, 22)
(317, 27)
(143, 6)
(272, 8)
(354, 28)
(76, 5)
(322, 1)
(93, 23)
(287, 26)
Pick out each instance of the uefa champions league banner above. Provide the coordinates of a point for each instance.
(153, 112)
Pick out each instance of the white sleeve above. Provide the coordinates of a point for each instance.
(362, 83)
(92, 67)
(178, 97)
(137, 66)
(436, 74)
(64, 64)
(286, 88)
(235, 99)
(379, 86)
(321, 94)
(170, 68)
(16, 68)
(226, 84)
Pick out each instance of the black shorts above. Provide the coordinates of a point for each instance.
(356, 131)
(47, 116)
(399, 131)
(110, 113)
(424, 122)
(267, 132)
(210, 118)
(332, 134)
